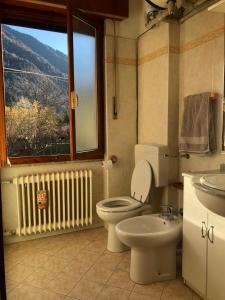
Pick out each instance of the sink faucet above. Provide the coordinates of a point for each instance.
(167, 212)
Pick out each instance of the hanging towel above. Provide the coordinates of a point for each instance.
(198, 125)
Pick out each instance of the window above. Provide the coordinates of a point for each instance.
(36, 98)
(41, 120)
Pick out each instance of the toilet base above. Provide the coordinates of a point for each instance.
(114, 244)
(153, 264)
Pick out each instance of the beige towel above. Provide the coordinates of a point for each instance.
(198, 125)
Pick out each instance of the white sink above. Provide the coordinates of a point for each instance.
(211, 192)
(216, 181)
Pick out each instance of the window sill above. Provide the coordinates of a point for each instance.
(65, 162)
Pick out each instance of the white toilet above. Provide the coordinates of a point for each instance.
(114, 210)
(153, 240)
(148, 159)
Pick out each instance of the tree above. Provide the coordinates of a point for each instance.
(30, 127)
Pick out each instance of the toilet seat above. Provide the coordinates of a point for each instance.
(141, 181)
(140, 187)
(118, 204)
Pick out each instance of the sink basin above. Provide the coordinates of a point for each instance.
(211, 192)
(216, 181)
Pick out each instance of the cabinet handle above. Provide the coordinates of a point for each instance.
(204, 230)
(211, 236)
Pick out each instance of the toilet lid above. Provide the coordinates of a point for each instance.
(141, 181)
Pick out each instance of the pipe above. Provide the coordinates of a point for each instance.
(10, 233)
(7, 182)
(196, 9)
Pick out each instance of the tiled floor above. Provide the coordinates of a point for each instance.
(78, 266)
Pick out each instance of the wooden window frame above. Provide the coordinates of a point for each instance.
(61, 23)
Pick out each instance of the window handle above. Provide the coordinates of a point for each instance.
(211, 235)
(204, 230)
(74, 100)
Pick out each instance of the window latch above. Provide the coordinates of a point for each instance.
(74, 100)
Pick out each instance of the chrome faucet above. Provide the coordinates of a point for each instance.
(167, 212)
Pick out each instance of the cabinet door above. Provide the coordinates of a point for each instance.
(216, 258)
(195, 247)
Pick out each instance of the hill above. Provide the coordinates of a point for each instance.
(35, 60)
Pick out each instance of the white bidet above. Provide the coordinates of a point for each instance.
(153, 242)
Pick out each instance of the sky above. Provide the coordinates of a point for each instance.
(47, 37)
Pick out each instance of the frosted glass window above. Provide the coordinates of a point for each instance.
(84, 41)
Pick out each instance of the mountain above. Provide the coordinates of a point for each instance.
(24, 52)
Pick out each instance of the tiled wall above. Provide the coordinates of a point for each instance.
(122, 132)
(158, 79)
(201, 70)
(173, 62)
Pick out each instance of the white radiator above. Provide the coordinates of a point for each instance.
(69, 197)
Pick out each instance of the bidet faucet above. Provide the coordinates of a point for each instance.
(167, 212)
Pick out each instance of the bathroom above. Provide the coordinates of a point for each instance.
(144, 91)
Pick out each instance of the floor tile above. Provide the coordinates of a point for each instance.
(35, 260)
(88, 256)
(63, 284)
(97, 234)
(69, 252)
(98, 273)
(40, 277)
(98, 246)
(121, 280)
(109, 261)
(55, 264)
(18, 273)
(124, 264)
(86, 290)
(75, 267)
(176, 290)
(28, 292)
(153, 290)
(113, 293)
(137, 296)
(10, 285)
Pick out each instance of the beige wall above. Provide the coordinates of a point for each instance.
(176, 61)
(201, 70)
(172, 61)
(158, 97)
(158, 86)
(121, 134)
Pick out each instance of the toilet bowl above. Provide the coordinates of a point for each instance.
(153, 242)
(114, 210)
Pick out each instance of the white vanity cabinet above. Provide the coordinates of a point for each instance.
(216, 258)
(203, 247)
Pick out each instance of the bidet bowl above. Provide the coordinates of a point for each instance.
(153, 241)
(148, 231)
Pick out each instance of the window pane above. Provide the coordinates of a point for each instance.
(36, 80)
(84, 41)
